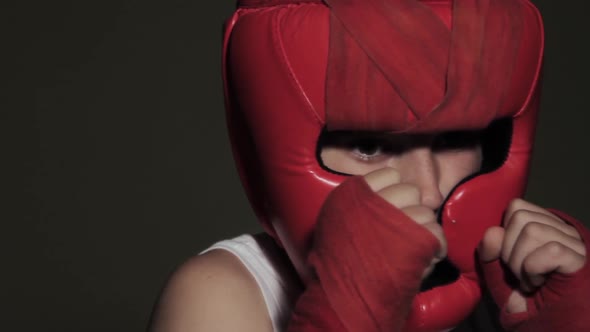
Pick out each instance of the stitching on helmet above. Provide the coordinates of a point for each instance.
(531, 93)
(285, 61)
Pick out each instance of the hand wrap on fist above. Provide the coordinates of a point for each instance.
(369, 259)
(562, 300)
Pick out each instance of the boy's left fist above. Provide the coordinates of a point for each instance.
(532, 244)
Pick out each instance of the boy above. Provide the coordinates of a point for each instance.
(384, 145)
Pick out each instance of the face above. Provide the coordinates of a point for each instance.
(435, 163)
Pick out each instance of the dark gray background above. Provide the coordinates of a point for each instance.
(127, 167)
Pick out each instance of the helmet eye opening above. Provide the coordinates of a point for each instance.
(495, 144)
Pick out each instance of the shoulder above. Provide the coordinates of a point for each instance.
(212, 291)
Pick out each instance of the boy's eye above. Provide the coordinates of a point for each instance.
(367, 148)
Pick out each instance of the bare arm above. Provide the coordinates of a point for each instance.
(211, 292)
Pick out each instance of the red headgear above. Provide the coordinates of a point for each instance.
(292, 68)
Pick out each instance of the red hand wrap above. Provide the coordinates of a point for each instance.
(313, 312)
(561, 304)
(369, 258)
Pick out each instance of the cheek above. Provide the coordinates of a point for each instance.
(455, 166)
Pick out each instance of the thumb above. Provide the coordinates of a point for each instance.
(497, 280)
(501, 283)
(490, 246)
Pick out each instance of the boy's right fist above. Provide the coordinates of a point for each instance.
(386, 183)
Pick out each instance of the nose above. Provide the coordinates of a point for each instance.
(419, 167)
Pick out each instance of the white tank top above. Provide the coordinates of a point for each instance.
(276, 277)
(272, 271)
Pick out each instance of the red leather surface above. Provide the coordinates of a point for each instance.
(275, 65)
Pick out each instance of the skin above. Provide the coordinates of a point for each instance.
(215, 292)
(412, 172)
(211, 292)
(416, 177)
(533, 243)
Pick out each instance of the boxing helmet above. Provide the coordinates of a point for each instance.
(295, 68)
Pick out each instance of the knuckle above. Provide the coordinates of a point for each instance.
(520, 218)
(514, 205)
(571, 231)
(555, 249)
(393, 174)
(401, 195)
(382, 177)
(533, 230)
(410, 189)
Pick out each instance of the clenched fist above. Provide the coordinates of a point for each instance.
(386, 183)
(533, 243)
